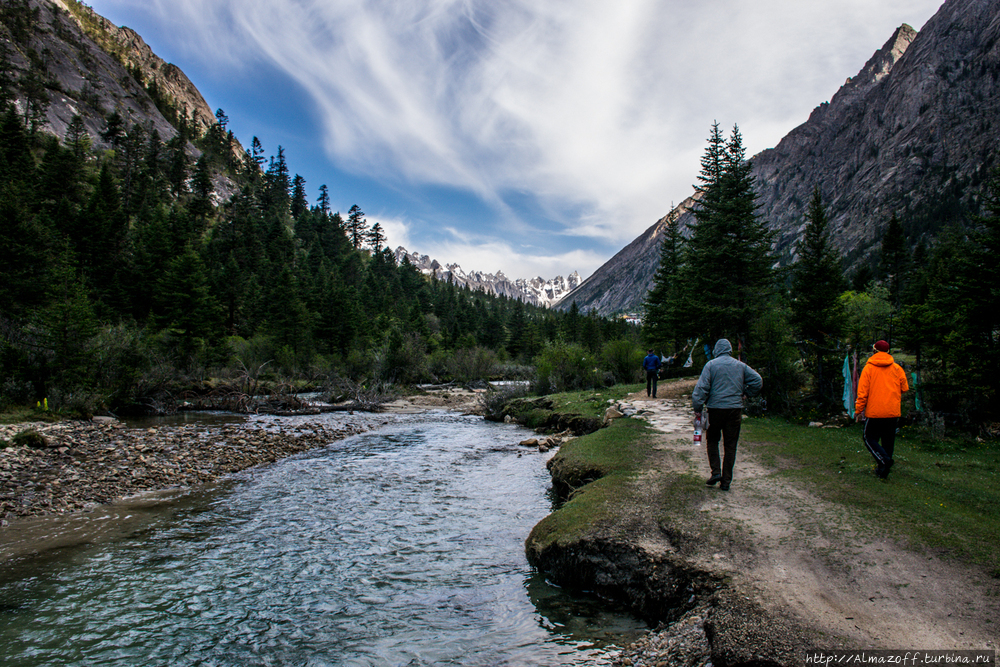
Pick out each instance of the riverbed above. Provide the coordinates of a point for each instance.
(403, 545)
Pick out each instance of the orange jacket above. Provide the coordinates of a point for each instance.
(880, 387)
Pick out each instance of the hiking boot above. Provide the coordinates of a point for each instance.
(723, 487)
(713, 480)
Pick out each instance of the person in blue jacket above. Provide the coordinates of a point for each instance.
(652, 366)
(721, 387)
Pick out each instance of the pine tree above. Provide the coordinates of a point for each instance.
(201, 187)
(77, 139)
(114, 129)
(894, 260)
(299, 203)
(663, 304)
(817, 279)
(376, 238)
(728, 265)
(186, 306)
(817, 283)
(323, 202)
(68, 323)
(356, 226)
(277, 185)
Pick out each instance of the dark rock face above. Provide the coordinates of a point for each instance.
(914, 133)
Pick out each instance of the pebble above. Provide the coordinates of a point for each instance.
(682, 643)
(93, 463)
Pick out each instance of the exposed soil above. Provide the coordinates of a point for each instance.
(816, 562)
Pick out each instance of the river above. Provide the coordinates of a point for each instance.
(400, 546)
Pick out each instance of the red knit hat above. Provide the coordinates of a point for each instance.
(881, 346)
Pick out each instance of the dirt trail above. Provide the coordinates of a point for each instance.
(820, 560)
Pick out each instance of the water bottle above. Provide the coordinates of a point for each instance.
(697, 430)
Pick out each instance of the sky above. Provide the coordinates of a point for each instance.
(533, 137)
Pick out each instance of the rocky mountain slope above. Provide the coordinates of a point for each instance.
(75, 62)
(913, 133)
(537, 291)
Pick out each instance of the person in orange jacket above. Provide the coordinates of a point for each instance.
(880, 390)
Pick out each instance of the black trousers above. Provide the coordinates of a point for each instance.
(723, 424)
(880, 430)
(651, 377)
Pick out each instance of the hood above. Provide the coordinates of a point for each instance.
(722, 346)
(881, 359)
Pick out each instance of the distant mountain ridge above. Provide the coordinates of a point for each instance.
(914, 133)
(537, 291)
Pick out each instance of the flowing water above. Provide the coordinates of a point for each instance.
(403, 546)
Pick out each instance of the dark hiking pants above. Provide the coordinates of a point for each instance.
(723, 424)
(651, 377)
(880, 439)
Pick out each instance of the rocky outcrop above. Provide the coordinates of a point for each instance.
(90, 68)
(537, 291)
(914, 134)
(136, 55)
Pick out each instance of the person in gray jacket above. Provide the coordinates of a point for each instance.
(720, 389)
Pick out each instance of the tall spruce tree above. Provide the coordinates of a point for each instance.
(817, 283)
(376, 237)
(728, 269)
(894, 260)
(356, 226)
(663, 304)
(817, 279)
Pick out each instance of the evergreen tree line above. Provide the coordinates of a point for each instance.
(936, 301)
(123, 273)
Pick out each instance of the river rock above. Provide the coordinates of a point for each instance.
(611, 414)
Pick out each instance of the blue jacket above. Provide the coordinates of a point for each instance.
(651, 362)
(724, 380)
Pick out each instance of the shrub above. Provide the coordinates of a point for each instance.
(565, 367)
(494, 401)
(473, 363)
(401, 359)
(623, 359)
(30, 438)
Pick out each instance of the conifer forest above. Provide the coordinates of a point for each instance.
(126, 281)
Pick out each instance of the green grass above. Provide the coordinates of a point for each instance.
(941, 495)
(21, 414)
(618, 449)
(601, 466)
(591, 402)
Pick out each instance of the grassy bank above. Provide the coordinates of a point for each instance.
(942, 494)
(596, 471)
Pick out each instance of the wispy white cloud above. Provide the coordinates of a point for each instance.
(597, 108)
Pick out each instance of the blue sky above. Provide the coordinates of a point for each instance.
(536, 137)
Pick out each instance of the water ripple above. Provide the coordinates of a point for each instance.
(397, 547)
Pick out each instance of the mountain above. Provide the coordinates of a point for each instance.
(66, 60)
(914, 134)
(537, 291)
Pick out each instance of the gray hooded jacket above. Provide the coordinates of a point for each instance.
(724, 380)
